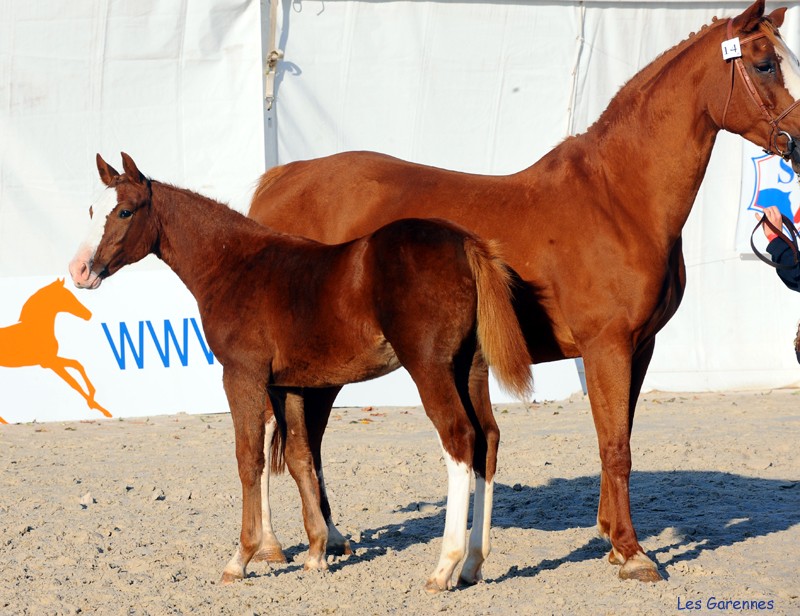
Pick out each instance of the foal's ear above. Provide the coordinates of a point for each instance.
(107, 172)
(131, 170)
(749, 20)
(776, 16)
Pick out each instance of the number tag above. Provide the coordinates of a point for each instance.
(731, 49)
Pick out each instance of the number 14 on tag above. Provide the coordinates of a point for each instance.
(731, 49)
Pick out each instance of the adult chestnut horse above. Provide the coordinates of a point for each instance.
(285, 314)
(602, 295)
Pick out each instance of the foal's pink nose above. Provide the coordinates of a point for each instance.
(81, 274)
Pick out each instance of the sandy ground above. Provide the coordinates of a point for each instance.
(140, 516)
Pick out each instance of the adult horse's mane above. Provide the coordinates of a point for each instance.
(632, 92)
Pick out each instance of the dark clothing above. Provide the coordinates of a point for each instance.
(780, 252)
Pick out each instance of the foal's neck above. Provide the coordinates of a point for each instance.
(202, 240)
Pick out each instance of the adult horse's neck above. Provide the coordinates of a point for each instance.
(649, 150)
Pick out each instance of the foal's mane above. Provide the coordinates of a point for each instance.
(226, 215)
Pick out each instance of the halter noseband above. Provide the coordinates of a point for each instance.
(737, 64)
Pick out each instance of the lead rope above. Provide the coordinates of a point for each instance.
(791, 240)
(272, 57)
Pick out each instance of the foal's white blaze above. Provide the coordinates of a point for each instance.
(101, 209)
(81, 265)
(455, 523)
(790, 69)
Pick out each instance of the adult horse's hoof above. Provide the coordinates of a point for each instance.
(271, 554)
(639, 567)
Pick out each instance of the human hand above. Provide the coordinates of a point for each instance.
(773, 214)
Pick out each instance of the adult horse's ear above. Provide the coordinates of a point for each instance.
(776, 16)
(131, 170)
(107, 172)
(749, 20)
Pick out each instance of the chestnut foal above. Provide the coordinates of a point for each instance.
(286, 315)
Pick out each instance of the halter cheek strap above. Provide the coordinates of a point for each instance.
(738, 65)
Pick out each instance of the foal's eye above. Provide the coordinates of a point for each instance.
(125, 213)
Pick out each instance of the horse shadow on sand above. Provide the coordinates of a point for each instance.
(702, 510)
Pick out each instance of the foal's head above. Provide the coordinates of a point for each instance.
(121, 230)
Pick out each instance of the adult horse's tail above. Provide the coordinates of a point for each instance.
(499, 334)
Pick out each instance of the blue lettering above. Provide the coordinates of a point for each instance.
(788, 169)
(124, 336)
(170, 339)
(169, 334)
(206, 351)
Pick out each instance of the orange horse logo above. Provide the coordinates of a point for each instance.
(32, 341)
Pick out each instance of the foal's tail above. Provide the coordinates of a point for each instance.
(499, 333)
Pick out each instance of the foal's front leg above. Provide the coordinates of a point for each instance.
(246, 396)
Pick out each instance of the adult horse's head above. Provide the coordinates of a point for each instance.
(759, 95)
(121, 232)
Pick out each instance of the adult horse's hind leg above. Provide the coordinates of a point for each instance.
(246, 397)
(485, 464)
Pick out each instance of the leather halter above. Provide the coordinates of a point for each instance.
(738, 65)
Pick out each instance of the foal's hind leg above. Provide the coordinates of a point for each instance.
(318, 404)
(485, 465)
(300, 462)
(443, 406)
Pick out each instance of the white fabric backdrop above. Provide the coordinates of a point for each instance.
(477, 86)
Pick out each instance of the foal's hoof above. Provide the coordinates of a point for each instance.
(432, 587)
(612, 558)
(270, 555)
(339, 549)
(314, 564)
(640, 567)
(229, 578)
(463, 581)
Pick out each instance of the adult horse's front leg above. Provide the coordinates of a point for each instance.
(246, 396)
(640, 363)
(609, 380)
